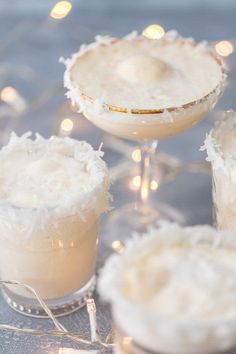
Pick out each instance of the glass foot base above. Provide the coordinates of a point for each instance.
(59, 307)
(124, 222)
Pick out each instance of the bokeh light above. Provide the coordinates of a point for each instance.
(136, 155)
(135, 183)
(224, 48)
(61, 9)
(154, 185)
(9, 94)
(67, 125)
(12, 97)
(118, 246)
(154, 31)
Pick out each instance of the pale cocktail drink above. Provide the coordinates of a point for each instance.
(144, 89)
(173, 292)
(52, 192)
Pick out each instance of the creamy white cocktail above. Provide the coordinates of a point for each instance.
(144, 89)
(52, 192)
(173, 292)
(221, 149)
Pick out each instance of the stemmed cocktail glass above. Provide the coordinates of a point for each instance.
(176, 81)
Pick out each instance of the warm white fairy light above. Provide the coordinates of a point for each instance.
(8, 94)
(154, 185)
(154, 31)
(118, 246)
(224, 48)
(135, 183)
(67, 125)
(136, 155)
(60, 330)
(12, 97)
(61, 9)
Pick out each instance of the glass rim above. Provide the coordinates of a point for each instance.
(147, 111)
(112, 108)
(121, 302)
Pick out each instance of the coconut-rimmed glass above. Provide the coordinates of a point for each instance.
(141, 126)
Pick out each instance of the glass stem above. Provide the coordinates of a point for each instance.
(148, 151)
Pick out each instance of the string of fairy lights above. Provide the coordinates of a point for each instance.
(93, 340)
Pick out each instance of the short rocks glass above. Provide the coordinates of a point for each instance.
(52, 192)
(173, 291)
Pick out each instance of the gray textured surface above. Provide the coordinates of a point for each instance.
(29, 39)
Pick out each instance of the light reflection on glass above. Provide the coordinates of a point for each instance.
(135, 182)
